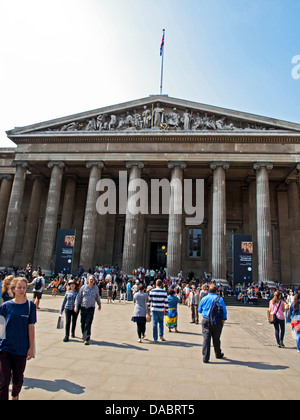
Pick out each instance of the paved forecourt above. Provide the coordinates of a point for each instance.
(116, 367)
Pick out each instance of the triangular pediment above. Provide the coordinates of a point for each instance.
(156, 114)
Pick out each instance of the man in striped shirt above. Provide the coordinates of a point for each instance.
(158, 299)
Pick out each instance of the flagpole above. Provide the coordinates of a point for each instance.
(162, 63)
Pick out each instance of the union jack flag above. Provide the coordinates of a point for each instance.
(162, 44)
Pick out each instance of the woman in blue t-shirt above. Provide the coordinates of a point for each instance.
(18, 317)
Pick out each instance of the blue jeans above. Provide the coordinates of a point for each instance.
(158, 318)
(297, 339)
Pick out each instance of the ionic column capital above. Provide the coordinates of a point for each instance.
(129, 165)
(21, 163)
(260, 165)
(215, 165)
(99, 164)
(172, 165)
(60, 164)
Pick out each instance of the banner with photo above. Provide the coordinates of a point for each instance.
(242, 258)
(65, 251)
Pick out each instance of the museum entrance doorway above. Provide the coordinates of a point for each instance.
(158, 255)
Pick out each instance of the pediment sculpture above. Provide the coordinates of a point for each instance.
(159, 117)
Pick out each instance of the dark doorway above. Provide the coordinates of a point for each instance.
(158, 255)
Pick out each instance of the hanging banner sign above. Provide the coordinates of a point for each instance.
(242, 258)
(65, 250)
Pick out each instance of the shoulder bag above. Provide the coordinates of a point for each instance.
(272, 317)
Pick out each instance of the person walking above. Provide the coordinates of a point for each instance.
(193, 302)
(86, 300)
(38, 288)
(141, 302)
(276, 309)
(128, 291)
(158, 298)
(212, 328)
(110, 290)
(17, 341)
(123, 292)
(172, 317)
(294, 315)
(68, 305)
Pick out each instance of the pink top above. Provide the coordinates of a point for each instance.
(274, 307)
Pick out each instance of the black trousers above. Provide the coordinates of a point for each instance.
(11, 367)
(141, 329)
(87, 316)
(279, 329)
(70, 316)
(211, 332)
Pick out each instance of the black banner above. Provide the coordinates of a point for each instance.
(242, 258)
(64, 251)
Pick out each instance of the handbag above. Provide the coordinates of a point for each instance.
(60, 323)
(272, 317)
(148, 314)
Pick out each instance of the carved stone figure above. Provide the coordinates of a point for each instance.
(186, 119)
(91, 125)
(101, 122)
(173, 119)
(197, 122)
(70, 127)
(137, 120)
(113, 122)
(147, 117)
(158, 115)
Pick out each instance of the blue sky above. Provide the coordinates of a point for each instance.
(62, 57)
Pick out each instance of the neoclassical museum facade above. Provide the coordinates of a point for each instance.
(249, 165)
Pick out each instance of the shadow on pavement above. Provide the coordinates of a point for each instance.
(53, 386)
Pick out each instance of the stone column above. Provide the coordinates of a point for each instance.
(131, 222)
(90, 217)
(68, 205)
(174, 260)
(264, 233)
(219, 260)
(32, 221)
(13, 215)
(253, 225)
(294, 228)
(298, 173)
(51, 215)
(5, 192)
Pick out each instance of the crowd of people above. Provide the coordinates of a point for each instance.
(155, 299)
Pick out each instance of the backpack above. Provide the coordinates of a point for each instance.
(38, 284)
(216, 313)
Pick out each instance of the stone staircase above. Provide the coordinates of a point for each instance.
(231, 301)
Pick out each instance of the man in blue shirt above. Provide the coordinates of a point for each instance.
(208, 330)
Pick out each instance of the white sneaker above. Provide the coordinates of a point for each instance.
(162, 339)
